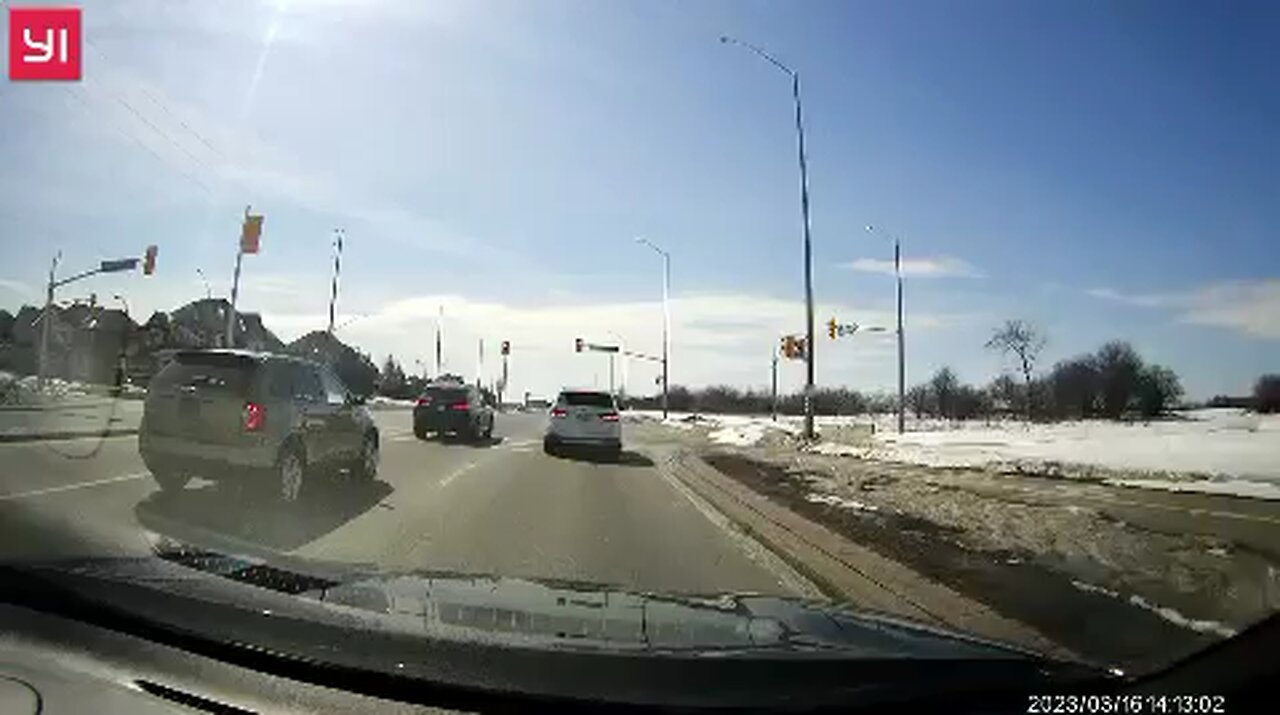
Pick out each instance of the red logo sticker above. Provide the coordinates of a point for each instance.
(44, 43)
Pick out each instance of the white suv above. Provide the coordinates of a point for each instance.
(584, 418)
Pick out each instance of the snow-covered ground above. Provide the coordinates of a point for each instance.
(1219, 451)
(1237, 452)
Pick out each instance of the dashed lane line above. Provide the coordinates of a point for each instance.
(72, 487)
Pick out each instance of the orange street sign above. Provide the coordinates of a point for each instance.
(251, 234)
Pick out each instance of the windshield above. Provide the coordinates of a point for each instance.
(205, 373)
(588, 399)
(676, 299)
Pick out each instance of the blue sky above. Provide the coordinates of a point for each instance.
(1104, 170)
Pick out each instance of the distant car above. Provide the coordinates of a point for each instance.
(453, 408)
(273, 421)
(584, 418)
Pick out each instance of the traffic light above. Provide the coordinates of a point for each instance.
(786, 345)
(149, 261)
(577, 345)
(831, 328)
(506, 347)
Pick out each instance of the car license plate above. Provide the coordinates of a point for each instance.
(584, 417)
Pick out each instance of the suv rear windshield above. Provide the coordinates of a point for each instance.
(589, 399)
(447, 394)
(207, 372)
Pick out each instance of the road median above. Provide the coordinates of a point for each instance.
(846, 571)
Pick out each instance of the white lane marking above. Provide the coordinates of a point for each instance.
(39, 442)
(70, 487)
(457, 473)
(786, 575)
(517, 444)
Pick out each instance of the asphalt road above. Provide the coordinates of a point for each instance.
(503, 508)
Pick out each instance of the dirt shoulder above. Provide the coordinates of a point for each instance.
(1121, 576)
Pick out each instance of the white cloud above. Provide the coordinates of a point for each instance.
(1249, 307)
(926, 267)
(16, 287)
(1153, 300)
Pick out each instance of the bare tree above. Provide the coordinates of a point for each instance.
(1024, 342)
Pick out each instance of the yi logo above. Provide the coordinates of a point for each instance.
(44, 43)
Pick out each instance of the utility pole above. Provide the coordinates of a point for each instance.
(666, 319)
(773, 387)
(439, 343)
(46, 320)
(250, 235)
(902, 364)
(810, 346)
(337, 269)
(480, 365)
(235, 287)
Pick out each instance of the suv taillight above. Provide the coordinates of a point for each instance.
(458, 406)
(255, 417)
(422, 402)
(609, 417)
(558, 412)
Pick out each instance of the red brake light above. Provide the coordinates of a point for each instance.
(609, 417)
(255, 417)
(558, 412)
(422, 401)
(458, 406)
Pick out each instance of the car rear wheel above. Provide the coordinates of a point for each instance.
(170, 482)
(419, 432)
(290, 473)
(550, 446)
(488, 430)
(367, 466)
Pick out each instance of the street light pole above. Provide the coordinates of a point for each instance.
(902, 350)
(208, 292)
(666, 319)
(337, 269)
(810, 343)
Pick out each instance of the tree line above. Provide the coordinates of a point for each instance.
(1113, 382)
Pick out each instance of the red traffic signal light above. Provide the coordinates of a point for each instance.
(577, 345)
(506, 347)
(149, 260)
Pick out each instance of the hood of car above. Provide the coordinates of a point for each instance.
(540, 613)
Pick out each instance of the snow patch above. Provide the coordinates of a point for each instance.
(1169, 614)
(833, 500)
(835, 449)
(1230, 487)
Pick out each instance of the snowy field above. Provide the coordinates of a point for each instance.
(1222, 451)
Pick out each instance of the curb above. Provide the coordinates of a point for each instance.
(13, 438)
(850, 573)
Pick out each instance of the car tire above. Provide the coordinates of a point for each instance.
(290, 474)
(170, 482)
(488, 431)
(419, 432)
(550, 446)
(366, 465)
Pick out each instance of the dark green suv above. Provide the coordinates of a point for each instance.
(264, 420)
